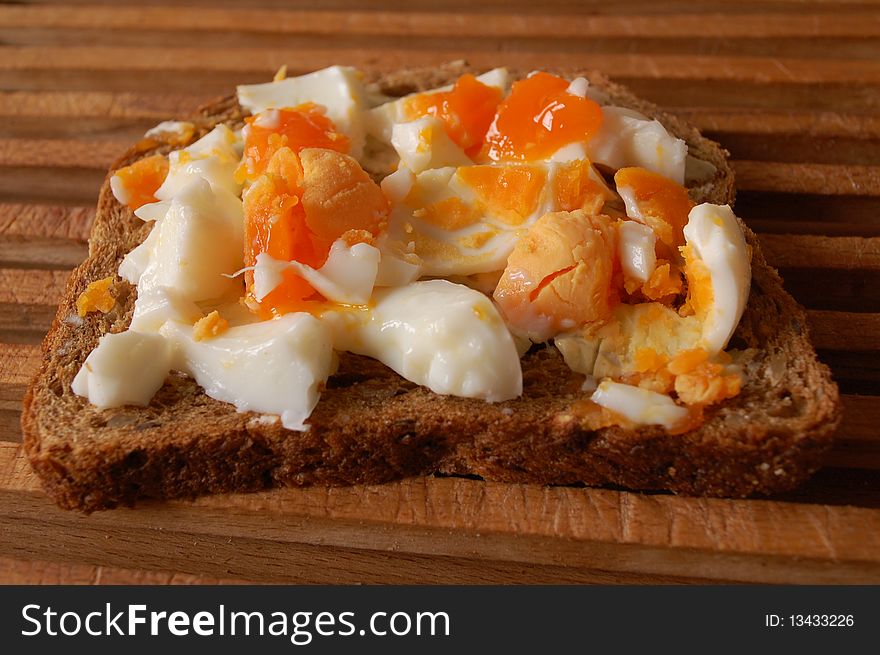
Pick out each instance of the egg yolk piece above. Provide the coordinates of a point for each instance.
(466, 110)
(560, 275)
(297, 209)
(539, 117)
(339, 197)
(142, 178)
(300, 127)
(509, 193)
(660, 203)
(574, 188)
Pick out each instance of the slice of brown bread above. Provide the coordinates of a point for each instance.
(371, 426)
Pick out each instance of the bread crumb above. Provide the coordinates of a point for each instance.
(280, 74)
(265, 419)
(210, 326)
(96, 298)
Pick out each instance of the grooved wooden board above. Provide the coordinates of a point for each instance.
(791, 88)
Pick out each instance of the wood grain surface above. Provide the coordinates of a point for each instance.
(791, 88)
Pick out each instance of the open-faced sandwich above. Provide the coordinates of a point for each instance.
(340, 279)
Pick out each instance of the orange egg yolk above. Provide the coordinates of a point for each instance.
(574, 188)
(297, 209)
(466, 110)
(664, 204)
(509, 193)
(538, 118)
(142, 178)
(304, 126)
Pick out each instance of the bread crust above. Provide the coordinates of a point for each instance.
(372, 426)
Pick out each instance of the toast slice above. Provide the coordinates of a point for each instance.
(372, 426)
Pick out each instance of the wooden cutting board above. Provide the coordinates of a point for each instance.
(792, 89)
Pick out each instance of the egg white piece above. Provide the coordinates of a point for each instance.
(135, 262)
(628, 138)
(339, 89)
(639, 405)
(440, 335)
(156, 306)
(213, 158)
(182, 129)
(196, 243)
(715, 236)
(127, 368)
(424, 144)
(637, 255)
(398, 184)
(398, 264)
(119, 190)
(271, 367)
(611, 350)
(346, 277)
(381, 119)
(483, 245)
(578, 87)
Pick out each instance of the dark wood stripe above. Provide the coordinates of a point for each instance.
(41, 252)
(10, 425)
(812, 208)
(263, 60)
(82, 129)
(626, 8)
(50, 221)
(750, 94)
(50, 185)
(399, 22)
(856, 373)
(799, 148)
(834, 289)
(660, 43)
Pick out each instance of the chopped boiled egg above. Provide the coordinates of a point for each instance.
(178, 132)
(466, 109)
(718, 269)
(154, 306)
(440, 335)
(97, 297)
(465, 221)
(136, 185)
(637, 250)
(197, 242)
(338, 89)
(628, 138)
(299, 208)
(540, 116)
(210, 326)
(304, 126)
(275, 367)
(213, 158)
(656, 201)
(494, 189)
(640, 405)
(346, 277)
(422, 144)
(398, 264)
(559, 275)
(126, 368)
